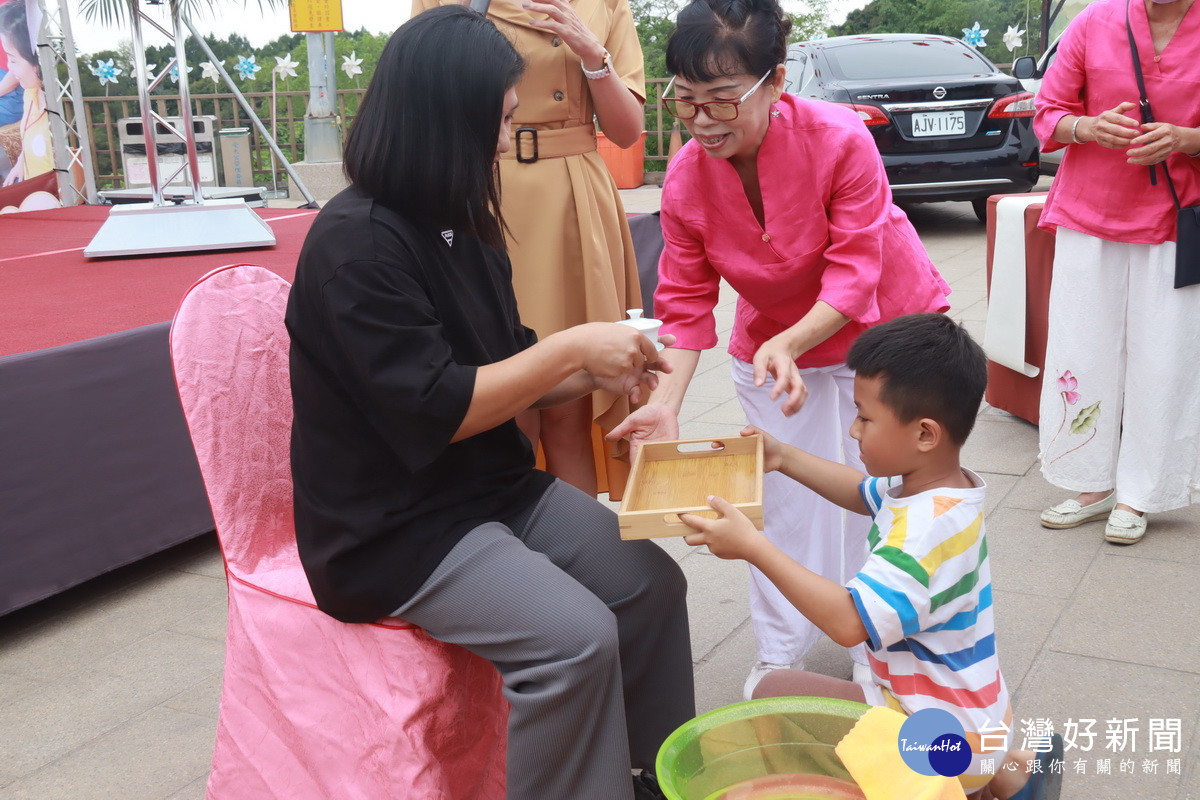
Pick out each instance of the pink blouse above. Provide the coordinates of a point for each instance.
(1095, 191)
(832, 234)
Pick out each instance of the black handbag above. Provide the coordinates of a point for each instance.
(1187, 231)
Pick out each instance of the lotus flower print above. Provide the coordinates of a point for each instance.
(1086, 421)
(1067, 385)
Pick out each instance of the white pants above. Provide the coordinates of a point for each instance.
(1128, 415)
(806, 526)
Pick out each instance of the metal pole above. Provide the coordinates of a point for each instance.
(185, 103)
(321, 141)
(139, 61)
(249, 111)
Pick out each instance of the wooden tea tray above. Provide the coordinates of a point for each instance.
(669, 478)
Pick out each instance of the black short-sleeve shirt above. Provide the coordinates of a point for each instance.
(389, 319)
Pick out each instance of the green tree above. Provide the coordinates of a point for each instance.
(812, 20)
(948, 18)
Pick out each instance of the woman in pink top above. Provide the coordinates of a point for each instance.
(787, 201)
(1120, 413)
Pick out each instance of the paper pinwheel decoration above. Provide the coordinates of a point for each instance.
(174, 73)
(974, 37)
(246, 68)
(285, 67)
(133, 71)
(106, 71)
(1012, 38)
(351, 66)
(209, 70)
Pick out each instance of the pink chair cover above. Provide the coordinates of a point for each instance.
(311, 708)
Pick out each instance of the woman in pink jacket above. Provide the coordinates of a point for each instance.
(787, 201)
(1120, 414)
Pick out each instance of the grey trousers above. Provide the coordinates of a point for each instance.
(589, 633)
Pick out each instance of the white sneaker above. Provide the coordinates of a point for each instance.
(760, 670)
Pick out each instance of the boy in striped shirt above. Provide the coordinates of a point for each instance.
(923, 600)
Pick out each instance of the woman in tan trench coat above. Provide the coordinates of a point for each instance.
(573, 259)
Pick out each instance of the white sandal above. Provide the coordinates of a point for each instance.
(1070, 513)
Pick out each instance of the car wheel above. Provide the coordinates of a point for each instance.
(980, 207)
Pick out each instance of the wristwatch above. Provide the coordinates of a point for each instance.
(604, 71)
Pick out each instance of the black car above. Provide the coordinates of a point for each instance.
(948, 123)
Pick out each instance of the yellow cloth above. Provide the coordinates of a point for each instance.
(873, 758)
(36, 153)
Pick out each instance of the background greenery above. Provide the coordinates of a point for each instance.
(654, 20)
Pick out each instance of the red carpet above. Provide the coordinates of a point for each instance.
(51, 295)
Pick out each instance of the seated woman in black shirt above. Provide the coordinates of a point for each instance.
(416, 494)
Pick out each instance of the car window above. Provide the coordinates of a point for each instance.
(796, 69)
(906, 59)
(1049, 57)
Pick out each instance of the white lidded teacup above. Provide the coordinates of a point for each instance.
(649, 327)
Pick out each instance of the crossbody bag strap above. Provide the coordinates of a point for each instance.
(1144, 104)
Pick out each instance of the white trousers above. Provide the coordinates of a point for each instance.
(806, 526)
(1120, 403)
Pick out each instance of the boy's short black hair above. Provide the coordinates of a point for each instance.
(929, 367)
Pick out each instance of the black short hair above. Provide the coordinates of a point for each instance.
(424, 140)
(929, 366)
(15, 26)
(719, 38)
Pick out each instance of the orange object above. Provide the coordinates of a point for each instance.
(1008, 390)
(627, 166)
(676, 142)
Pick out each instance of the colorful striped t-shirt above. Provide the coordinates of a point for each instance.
(925, 598)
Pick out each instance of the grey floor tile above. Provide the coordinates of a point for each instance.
(14, 686)
(1001, 447)
(717, 599)
(714, 358)
(1064, 687)
(729, 413)
(202, 699)
(971, 305)
(1134, 610)
(998, 488)
(72, 713)
(151, 757)
(1023, 623)
(720, 677)
(703, 430)
(676, 547)
(179, 658)
(196, 790)
(693, 408)
(206, 560)
(1030, 559)
(1190, 783)
(1034, 493)
(94, 630)
(207, 623)
(713, 384)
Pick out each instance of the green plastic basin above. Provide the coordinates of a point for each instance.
(776, 748)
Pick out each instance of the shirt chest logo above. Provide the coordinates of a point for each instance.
(449, 237)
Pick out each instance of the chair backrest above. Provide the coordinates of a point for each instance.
(229, 348)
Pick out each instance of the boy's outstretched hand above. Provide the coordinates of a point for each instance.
(772, 449)
(732, 535)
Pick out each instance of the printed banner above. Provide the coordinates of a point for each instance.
(26, 153)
